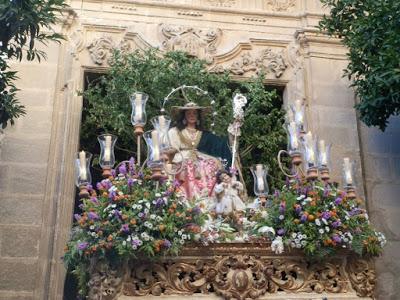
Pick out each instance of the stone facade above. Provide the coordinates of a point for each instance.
(242, 36)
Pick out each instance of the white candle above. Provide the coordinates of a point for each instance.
(347, 171)
(299, 112)
(138, 108)
(322, 153)
(107, 148)
(82, 165)
(161, 121)
(156, 147)
(259, 175)
(310, 148)
(294, 142)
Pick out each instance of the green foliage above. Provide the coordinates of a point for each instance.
(23, 23)
(107, 107)
(371, 31)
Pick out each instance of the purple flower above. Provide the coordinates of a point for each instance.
(131, 166)
(326, 191)
(135, 242)
(276, 194)
(112, 195)
(282, 208)
(196, 210)
(125, 228)
(159, 202)
(338, 201)
(81, 206)
(89, 187)
(326, 215)
(113, 173)
(303, 218)
(117, 213)
(94, 200)
(93, 216)
(82, 245)
(336, 224)
(130, 182)
(355, 211)
(176, 183)
(336, 238)
(77, 217)
(298, 209)
(99, 186)
(122, 169)
(281, 232)
(167, 244)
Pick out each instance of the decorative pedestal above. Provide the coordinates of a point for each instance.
(237, 271)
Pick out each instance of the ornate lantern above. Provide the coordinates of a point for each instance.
(107, 157)
(324, 152)
(82, 169)
(348, 177)
(155, 159)
(261, 189)
(294, 143)
(138, 116)
(310, 156)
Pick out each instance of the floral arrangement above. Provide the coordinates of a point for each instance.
(129, 216)
(319, 219)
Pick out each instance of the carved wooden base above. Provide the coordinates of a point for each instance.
(238, 271)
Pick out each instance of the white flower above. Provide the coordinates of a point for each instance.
(146, 211)
(345, 240)
(134, 247)
(304, 236)
(321, 231)
(139, 207)
(184, 236)
(93, 234)
(266, 230)
(301, 197)
(179, 232)
(296, 241)
(303, 243)
(157, 195)
(298, 246)
(327, 229)
(181, 242)
(317, 222)
(158, 218)
(129, 238)
(264, 214)
(277, 245)
(91, 227)
(140, 243)
(303, 203)
(325, 222)
(281, 217)
(153, 217)
(294, 234)
(134, 206)
(123, 243)
(147, 204)
(292, 244)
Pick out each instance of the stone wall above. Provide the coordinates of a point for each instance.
(381, 158)
(37, 154)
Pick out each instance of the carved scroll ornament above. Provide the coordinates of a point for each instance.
(267, 61)
(196, 42)
(101, 48)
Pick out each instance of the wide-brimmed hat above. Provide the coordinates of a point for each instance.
(177, 110)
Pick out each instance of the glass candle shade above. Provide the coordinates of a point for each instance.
(107, 143)
(138, 103)
(310, 150)
(348, 173)
(324, 153)
(162, 125)
(260, 173)
(299, 114)
(154, 156)
(82, 169)
(293, 138)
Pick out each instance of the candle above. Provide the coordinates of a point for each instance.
(310, 148)
(138, 108)
(161, 121)
(322, 153)
(347, 171)
(260, 181)
(82, 165)
(299, 112)
(294, 142)
(107, 148)
(289, 115)
(156, 147)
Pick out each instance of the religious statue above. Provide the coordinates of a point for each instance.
(227, 192)
(202, 152)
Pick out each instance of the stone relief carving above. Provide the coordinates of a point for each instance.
(281, 5)
(101, 48)
(222, 3)
(267, 61)
(196, 42)
(362, 277)
(104, 284)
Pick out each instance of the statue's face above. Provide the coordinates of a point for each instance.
(191, 116)
(225, 178)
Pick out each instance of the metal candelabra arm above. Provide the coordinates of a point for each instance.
(281, 165)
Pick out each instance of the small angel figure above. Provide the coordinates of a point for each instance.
(227, 193)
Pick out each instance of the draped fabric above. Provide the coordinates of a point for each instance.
(200, 157)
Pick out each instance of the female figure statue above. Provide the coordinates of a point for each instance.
(202, 151)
